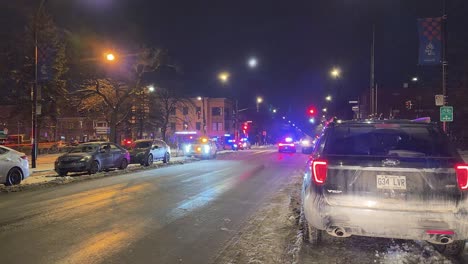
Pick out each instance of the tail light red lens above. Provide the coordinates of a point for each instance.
(319, 171)
(462, 176)
(24, 157)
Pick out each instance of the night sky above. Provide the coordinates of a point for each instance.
(296, 42)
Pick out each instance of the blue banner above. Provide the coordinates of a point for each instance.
(430, 41)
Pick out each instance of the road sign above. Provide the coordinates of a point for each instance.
(446, 114)
(353, 102)
(355, 108)
(439, 100)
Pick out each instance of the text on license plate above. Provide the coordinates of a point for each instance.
(391, 182)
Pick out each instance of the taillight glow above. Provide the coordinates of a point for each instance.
(462, 176)
(319, 171)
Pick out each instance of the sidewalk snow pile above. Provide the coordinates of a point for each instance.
(269, 236)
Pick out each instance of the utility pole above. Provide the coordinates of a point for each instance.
(35, 89)
(372, 77)
(444, 58)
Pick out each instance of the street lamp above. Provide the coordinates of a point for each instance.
(259, 101)
(335, 73)
(110, 57)
(199, 98)
(324, 110)
(253, 62)
(328, 98)
(223, 77)
(151, 88)
(274, 110)
(414, 79)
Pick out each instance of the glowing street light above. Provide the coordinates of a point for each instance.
(151, 88)
(274, 110)
(328, 98)
(311, 120)
(199, 98)
(324, 110)
(224, 77)
(335, 73)
(110, 57)
(253, 62)
(284, 117)
(414, 79)
(259, 100)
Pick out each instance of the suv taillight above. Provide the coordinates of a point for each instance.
(319, 171)
(462, 176)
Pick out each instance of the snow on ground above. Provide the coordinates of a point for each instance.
(269, 236)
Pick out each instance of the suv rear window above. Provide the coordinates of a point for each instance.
(388, 140)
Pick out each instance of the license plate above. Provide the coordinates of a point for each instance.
(391, 182)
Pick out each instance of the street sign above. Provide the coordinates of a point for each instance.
(353, 102)
(446, 114)
(355, 108)
(439, 100)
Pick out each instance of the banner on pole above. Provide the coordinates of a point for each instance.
(430, 40)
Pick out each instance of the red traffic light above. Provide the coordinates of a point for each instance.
(245, 127)
(311, 110)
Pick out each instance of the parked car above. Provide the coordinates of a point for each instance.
(287, 145)
(202, 148)
(14, 166)
(92, 157)
(387, 178)
(146, 151)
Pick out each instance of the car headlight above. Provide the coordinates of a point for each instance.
(85, 158)
(305, 143)
(206, 148)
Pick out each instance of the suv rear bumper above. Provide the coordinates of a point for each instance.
(372, 222)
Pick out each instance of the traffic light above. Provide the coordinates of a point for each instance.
(245, 127)
(311, 111)
(408, 104)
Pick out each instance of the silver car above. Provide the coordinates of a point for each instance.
(14, 166)
(146, 151)
(391, 179)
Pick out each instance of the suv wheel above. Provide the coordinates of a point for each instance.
(123, 164)
(453, 249)
(149, 160)
(310, 234)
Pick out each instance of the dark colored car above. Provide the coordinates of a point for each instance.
(307, 145)
(146, 151)
(287, 145)
(202, 148)
(92, 158)
(387, 178)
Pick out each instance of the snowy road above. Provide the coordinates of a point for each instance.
(177, 214)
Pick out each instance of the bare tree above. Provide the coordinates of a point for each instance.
(113, 97)
(164, 106)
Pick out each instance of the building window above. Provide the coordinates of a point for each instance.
(198, 126)
(198, 109)
(185, 110)
(217, 126)
(216, 111)
(173, 111)
(173, 128)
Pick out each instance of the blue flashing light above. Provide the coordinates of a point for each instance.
(288, 139)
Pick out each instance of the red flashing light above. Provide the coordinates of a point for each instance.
(311, 111)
